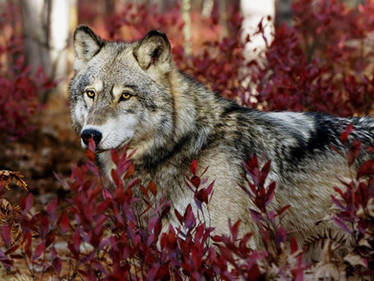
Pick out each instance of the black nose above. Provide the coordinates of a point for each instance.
(91, 133)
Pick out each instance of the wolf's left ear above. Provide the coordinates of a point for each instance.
(86, 45)
(153, 50)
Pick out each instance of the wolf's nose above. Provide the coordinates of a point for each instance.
(91, 133)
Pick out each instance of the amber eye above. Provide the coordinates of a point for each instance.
(125, 96)
(90, 93)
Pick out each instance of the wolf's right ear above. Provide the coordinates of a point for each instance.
(86, 45)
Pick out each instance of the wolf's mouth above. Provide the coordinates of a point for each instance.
(118, 147)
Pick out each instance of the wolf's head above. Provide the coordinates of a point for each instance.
(120, 93)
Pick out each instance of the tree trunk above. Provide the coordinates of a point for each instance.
(46, 26)
(186, 15)
(207, 8)
(253, 12)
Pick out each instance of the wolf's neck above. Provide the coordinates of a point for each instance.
(194, 119)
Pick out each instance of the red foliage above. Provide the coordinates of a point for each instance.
(117, 234)
(110, 236)
(19, 89)
(320, 64)
(356, 209)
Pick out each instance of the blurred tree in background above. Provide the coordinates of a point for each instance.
(46, 25)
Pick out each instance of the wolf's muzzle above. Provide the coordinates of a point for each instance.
(91, 133)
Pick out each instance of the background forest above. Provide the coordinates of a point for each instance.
(59, 222)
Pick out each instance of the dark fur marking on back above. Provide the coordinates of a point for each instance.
(242, 142)
(326, 133)
(234, 107)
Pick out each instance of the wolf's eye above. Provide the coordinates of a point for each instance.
(125, 96)
(90, 93)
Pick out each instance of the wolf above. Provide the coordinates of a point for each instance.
(132, 93)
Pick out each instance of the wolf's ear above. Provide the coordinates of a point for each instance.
(153, 50)
(86, 45)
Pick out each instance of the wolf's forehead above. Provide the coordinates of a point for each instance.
(116, 56)
(120, 76)
(115, 67)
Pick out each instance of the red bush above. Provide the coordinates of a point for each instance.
(355, 204)
(110, 236)
(320, 64)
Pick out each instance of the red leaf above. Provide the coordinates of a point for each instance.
(179, 216)
(28, 244)
(299, 275)
(280, 236)
(210, 187)
(101, 207)
(264, 172)
(107, 195)
(254, 273)
(39, 249)
(252, 163)
(199, 232)
(366, 169)
(114, 156)
(195, 180)
(344, 136)
(5, 235)
(132, 183)
(293, 245)
(234, 229)
(354, 152)
(17, 256)
(370, 148)
(217, 238)
(172, 239)
(116, 179)
(64, 222)
(202, 196)
(283, 210)
(341, 224)
(120, 195)
(28, 203)
(362, 193)
(51, 209)
(77, 240)
(130, 171)
(145, 192)
(13, 248)
(57, 264)
(193, 167)
(255, 215)
(189, 217)
(338, 190)
(337, 202)
(270, 193)
(152, 187)
(6, 262)
(50, 238)
(90, 154)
